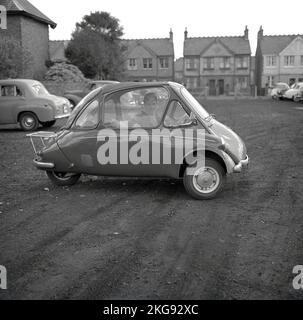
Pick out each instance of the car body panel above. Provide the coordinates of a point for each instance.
(77, 149)
(294, 91)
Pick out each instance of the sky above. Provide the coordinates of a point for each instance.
(155, 18)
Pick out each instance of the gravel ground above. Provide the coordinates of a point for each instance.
(147, 239)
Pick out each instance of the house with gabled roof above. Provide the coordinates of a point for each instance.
(279, 58)
(149, 59)
(220, 65)
(29, 26)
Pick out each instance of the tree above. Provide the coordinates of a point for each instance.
(14, 59)
(95, 47)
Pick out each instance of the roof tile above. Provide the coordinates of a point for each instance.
(194, 46)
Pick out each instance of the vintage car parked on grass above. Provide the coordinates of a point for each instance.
(279, 90)
(28, 103)
(75, 96)
(107, 135)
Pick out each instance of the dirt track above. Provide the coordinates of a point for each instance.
(146, 239)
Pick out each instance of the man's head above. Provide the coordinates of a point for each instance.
(150, 101)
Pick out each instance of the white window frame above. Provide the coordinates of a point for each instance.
(289, 61)
(132, 64)
(163, 63)
(225, 63)
(271, 61)
(209, 63)
(147, 63)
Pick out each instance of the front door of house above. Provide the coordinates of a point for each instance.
(212, 87)
(221, 86)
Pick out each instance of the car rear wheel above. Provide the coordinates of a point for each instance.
(28, 121)
(48, 124)
(63, 178)
(204, 182)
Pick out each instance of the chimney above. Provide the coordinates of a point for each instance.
(246, 33)
(171, 35)
(260, 33)
(185, 34)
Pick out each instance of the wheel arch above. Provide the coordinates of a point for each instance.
(26, 111)
(208, 154)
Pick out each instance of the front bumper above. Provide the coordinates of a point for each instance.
(61, 116)
(43, 165)
(243, 163)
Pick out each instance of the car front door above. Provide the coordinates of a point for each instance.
(11, 97)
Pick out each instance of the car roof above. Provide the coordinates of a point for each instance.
(19, 81)
(104, 81)
(132, 85)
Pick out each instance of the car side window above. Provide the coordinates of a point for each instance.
(8, 91)
(11, 91)
(89, 118)
(176, 115)
(139, 108)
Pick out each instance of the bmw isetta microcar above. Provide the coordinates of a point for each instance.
(142, 130)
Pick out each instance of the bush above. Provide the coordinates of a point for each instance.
(62, 72)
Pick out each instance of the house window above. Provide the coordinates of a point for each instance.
(209, 63)
(242, 82)
(163, 63)
(271, 61)
(191, 83)
(132, 64)
(271, 81)
(242, 63)
(191, 64)
(225, 63)
(289, 60)
(147, 63)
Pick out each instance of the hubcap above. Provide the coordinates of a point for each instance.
(206, 180)
(28, 122)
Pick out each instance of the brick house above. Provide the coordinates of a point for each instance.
(278, 59)
(25, 23)
(149, 59)
(220, 65)
(179, 66)
(57, 50)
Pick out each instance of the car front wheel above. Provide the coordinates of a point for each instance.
(48, 124)
(63, 178)
(28, 121)
(204, 182)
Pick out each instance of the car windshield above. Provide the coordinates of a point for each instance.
(79, 106)
(195, 104)
(39, 89)
(282, 86)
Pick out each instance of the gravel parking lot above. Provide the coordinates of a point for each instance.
(147, 239)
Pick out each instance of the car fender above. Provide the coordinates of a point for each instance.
(44, 113)
(74, 98)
